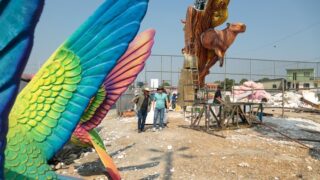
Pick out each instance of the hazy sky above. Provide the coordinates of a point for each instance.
(276, 29)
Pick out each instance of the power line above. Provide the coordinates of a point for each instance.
(287, 36)
(316, 58)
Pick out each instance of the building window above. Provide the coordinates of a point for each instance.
(316, 85)
(306, 85)
(294, 76)
(274, 86)
(306, 74)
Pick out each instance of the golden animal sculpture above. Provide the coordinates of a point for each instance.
(198, 21)
(202, 42)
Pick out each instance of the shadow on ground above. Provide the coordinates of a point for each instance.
(151, 177)
(167, 156)
(91, 168)
(139, 167)
(122, 150)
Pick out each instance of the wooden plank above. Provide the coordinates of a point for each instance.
(317, 106)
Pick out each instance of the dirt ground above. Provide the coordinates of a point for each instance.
(293, 113)
(178, 152)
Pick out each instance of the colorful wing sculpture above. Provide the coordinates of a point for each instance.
(18, 19)
(49, 108)
(116, 83)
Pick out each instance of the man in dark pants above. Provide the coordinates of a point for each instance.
(217, 96)
(218, 100)
(143, 102)
(173, 100)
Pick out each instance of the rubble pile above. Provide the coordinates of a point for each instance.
(255, 92)
(293, 99)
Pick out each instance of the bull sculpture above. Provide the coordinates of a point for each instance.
(217, 42)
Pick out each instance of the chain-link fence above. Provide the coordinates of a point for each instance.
(166, 68)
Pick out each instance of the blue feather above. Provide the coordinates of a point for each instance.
(18, 19)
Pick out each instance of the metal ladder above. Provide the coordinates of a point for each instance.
(195, 78)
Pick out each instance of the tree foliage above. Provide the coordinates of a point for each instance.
(140, 84)
(228, 83)
(243, 80)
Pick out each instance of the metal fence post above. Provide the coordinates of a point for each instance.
(318, 69)
(161, 71)
(274, 69)
(250, 61)
(225, 74)
(145, 74)
(282, 113)
(171, 71)
(317, 78)
(232, 94)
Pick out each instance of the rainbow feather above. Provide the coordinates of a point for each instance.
(116, 83)
(123, 75)
(48, 109)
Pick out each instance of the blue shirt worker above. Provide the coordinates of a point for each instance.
(159, 104)
(174, 100)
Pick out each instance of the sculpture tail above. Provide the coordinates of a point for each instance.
(104, 157)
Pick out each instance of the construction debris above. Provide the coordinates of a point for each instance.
(255, 92)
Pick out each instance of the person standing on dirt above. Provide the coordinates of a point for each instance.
(143, 102)
(217, 96)
(174, 100)
(217, 100)
(159, 104)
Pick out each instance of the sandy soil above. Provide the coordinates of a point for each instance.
(178, 152)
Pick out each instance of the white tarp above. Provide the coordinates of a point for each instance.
(150, 117)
